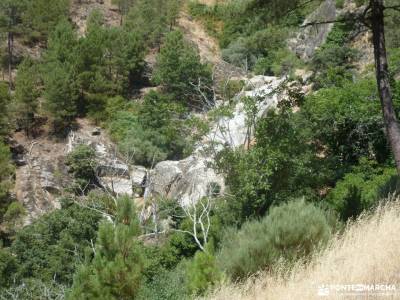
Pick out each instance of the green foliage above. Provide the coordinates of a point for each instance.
(262, 51)
(82, 164)
(290, 171)
(60, 97)
(41, 16)
(340, 3)
(8, 267)
(203, 271)
(288, 232)
(153, 131)
(334, 61)
(52, 246)
(110, 60)
(4, 108)
(361, 189)
(6, 174)
(167, 284)
(151, 19)
(26, 94)
(178, 68)
(34, 289)
(60, 88)
(116, 269)
(13, 219)
(347, 122)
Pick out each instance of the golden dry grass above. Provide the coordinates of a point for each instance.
(367, 253)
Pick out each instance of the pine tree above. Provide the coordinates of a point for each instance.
(116, 269)
(59, 76)
(179, 69)
(26, 94)
(43, 15)
(60, 95)
(10, 23)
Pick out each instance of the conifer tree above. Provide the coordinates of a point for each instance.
(11, 12)
(26, 94)
(59, 76)
(179, 68)
(116, 269)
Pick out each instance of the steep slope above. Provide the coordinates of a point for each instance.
(363, 263)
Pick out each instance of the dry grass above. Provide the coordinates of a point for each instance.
(367, 253)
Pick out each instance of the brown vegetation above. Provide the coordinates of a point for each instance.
(367, 253)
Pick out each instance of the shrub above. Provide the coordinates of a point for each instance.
(290, 231)
(167, 284)
(202, 271)
(8, 268)
(51, 247)
(362, 188)
(82, 164)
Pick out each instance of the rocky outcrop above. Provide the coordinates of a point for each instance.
(312, 37)
(190, 179)
(41, 174)
(187, 180)
(113, 172)
(233, 131)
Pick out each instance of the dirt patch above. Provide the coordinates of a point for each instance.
(195, 32)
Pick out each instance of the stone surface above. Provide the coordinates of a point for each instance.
(187, 180)
(190, 179)
(312, 37)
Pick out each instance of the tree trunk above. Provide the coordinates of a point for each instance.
(382, 78)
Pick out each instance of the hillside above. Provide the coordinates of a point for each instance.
(172, 149)
(362, 262)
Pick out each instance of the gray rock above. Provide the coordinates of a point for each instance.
(113, 169)
(138, 176)
(311, 37)
(187, 180)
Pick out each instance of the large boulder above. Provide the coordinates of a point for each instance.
(187, 180)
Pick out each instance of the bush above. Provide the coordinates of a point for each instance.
(8, 268)
(290, 231)
(51, 247)
(82, 165)
(34, 289)
(152, 131)
(202, 271)
(334, 61)
(362, 188)
(167, 284)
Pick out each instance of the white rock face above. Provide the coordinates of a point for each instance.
(190, 179)
(232, 132)
(186, 180)
(113, 173)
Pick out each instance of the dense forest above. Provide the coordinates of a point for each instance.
(318, 150)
